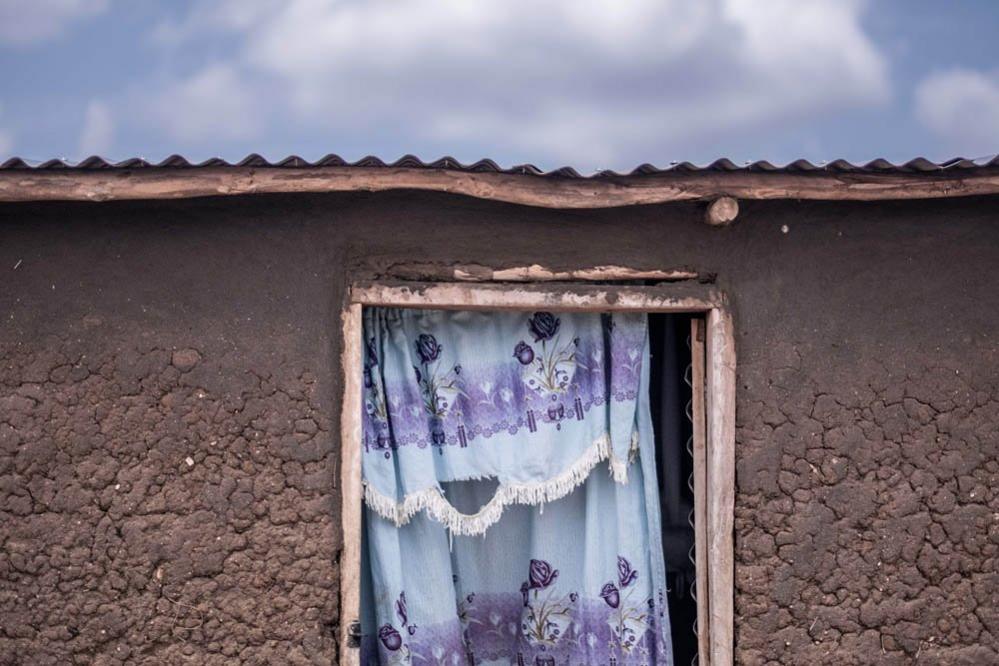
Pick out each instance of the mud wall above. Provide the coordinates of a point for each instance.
(168, 416)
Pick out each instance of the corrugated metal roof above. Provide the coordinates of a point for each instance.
(917, 165)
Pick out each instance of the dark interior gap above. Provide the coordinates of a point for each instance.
(669, 396)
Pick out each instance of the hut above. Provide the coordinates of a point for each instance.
(181, 392)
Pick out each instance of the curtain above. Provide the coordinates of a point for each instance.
(511, 501)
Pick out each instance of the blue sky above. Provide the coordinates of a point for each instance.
(591, 84)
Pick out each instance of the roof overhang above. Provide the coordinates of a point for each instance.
(548, 191)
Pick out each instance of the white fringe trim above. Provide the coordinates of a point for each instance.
(432, 500)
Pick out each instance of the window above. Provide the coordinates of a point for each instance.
(711, 461)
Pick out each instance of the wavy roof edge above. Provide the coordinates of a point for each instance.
(254, 160)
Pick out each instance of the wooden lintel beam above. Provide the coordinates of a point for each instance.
(532, 273)
(546, 192)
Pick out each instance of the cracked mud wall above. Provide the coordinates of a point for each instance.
(168, 416)
(165, 448)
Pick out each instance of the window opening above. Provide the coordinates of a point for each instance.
(627, 372)
(708, 385)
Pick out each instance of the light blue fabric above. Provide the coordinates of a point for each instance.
(487, 538)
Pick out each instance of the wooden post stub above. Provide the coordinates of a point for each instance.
(721, 211)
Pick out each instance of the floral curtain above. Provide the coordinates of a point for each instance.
(511, 501)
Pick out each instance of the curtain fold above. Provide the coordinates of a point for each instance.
(511, 501)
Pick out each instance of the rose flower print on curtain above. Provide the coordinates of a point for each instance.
(511, 501)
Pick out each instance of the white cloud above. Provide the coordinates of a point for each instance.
(30, 21)
(581, 81)
(962, 107)
(214, 104)
(97, 134)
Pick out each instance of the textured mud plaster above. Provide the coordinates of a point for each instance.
(168, 383)
(868, 521)
(150, 515)
(166, 462)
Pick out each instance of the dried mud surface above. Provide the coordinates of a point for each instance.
(867, 523)
(152, 514)
(168, 416)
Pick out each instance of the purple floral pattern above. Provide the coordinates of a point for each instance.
(438, 386)
(395, 647)
(375, 407)
(625, 574)
(402, 612)
(611, 595)
(427, 348)
(549, 370)
(492, 628)
(541, 575)
(524, 353)
(551, 367)
(545, 380)
(390, 638)
(543, 326)
(546, 614)
(629, 618)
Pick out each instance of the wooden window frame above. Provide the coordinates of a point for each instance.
(713, 352)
